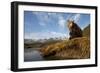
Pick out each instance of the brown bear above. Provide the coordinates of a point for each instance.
(75, 30)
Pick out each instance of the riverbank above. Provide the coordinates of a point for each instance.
(78, 48)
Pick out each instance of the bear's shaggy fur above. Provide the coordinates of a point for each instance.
(75, 30)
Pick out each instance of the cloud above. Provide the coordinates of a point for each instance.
(77, 17)
(53, 15)
(61, 21)
(45, 35)
(42, 24)
(42, 18)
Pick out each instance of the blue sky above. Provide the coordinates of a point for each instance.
(45, 25)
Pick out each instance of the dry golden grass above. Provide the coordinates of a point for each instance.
(78, 48)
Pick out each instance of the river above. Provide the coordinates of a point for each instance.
(32, 54)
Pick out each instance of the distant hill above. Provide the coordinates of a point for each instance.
(86, 31)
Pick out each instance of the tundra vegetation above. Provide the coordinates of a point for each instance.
(60, 49)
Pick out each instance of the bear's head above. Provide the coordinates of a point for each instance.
(70, 24)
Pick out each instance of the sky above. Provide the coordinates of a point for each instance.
(45, 25)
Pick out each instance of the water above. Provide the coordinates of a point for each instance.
(32, 54)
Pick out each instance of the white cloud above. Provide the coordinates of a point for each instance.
(42, 24)
(42, 18)
(76, 17)
(45, 35)
(45, 18)
(61, 21)
(53, 14)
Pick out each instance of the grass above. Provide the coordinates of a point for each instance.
(78, 48)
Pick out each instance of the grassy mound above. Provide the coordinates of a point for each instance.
(78, 48)
(86, 31)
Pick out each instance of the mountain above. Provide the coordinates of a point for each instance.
(29, 41)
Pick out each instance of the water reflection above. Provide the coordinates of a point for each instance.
(32, 54)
